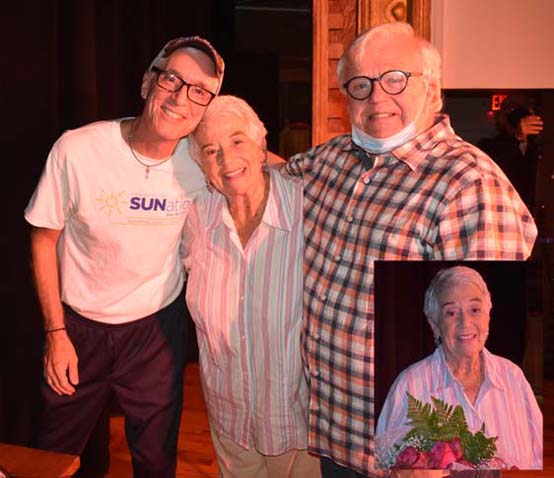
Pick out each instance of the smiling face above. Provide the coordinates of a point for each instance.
(171, 116)
(383, 115)
(463, 323)
(230, 159)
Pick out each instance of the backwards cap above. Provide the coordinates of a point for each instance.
(197, 43)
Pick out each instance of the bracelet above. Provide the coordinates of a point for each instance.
(54, 330)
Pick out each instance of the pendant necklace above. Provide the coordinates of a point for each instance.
(143, 164)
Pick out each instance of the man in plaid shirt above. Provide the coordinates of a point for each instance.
(402, 186)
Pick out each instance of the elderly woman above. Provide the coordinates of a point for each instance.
(461, 371)
(243, 253)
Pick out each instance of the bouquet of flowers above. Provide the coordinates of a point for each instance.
(439, 438)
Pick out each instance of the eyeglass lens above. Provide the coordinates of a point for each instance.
(173, 83)
(392, 82)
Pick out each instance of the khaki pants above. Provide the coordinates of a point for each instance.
(237, 462)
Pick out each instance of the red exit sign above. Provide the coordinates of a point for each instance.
(496, 101)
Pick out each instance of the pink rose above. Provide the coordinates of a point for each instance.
(422, 461)
(441, 456)
(411, 457)
(456, 445)
(407, 456)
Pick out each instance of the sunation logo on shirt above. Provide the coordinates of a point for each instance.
(157, 204)
(141, 209)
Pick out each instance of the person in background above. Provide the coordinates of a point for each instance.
(516, 148)
(401, 186)
(107, 219)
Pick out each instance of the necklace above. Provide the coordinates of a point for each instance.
(143, 164)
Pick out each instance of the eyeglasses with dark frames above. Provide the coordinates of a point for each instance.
(393, 82)
(171, 82)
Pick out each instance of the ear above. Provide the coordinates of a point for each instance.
(202, 167)
(146, 83)
(435, 98)
(263, 152)
(489, 318)
(434, 327)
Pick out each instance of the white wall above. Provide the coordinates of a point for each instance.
(495, 43)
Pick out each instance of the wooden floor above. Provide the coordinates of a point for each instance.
(196, 456)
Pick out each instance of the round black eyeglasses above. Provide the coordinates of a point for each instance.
(392, 82)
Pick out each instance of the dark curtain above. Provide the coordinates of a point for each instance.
(402, 334)
(64, 63)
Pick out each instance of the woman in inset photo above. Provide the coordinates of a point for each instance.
(493, 393)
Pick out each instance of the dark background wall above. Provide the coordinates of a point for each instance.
(66, 63)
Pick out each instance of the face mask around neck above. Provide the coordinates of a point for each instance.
(382, 145)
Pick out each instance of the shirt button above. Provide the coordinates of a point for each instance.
(350, 218)
(316, 336)
(338, 258)
(323, 297)
(366, 180)
(315, 373)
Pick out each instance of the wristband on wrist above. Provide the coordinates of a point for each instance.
(54, 330)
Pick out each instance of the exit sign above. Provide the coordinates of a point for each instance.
(496, 101)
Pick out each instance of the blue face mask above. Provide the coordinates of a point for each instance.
(382, 145)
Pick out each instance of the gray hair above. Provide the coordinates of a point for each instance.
(431, 60)
(227, 105)
(444, 280)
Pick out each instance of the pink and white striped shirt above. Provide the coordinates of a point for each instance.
(247, 306)
(505, 403)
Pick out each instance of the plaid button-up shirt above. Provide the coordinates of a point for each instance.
(435, 197)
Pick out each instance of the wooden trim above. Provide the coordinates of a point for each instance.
(320, 70)
(420, 16)
(364, 9)
(374, 12)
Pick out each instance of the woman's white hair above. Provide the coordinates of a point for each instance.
(444, 280)
(431, 60)
(228, 105)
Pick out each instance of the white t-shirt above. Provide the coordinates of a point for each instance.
(119, 249)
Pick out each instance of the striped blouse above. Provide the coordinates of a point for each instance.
(247, 306)
(505, 403)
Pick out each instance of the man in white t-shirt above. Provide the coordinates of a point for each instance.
(107, 216)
